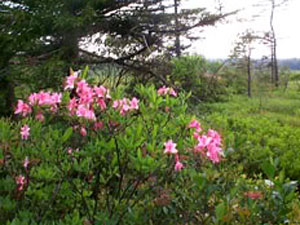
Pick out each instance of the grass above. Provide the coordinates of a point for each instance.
(258, 128)
(280, 106)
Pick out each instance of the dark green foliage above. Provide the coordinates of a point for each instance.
(256, 131)
(196, 74)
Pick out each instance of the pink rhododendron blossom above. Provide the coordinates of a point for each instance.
(45, 98)
(40, 117)
(166, 91)
(82, 87)
(214, 153)
(84, 112)
(21, 181)
(69, 151)
(215, 136)
(107, 94)
(86, 96)
(83, 131)
(172, 92)
(170, 147)
(70, 82)
(178, 166)
(210, 145)
(116, 104)
(195, 124)
(26, 163)
(33, 99)
(102, 104)
(53, 108)
(23, 108)
(134, 103)
(56, 98)
(72, 105)
(98, 125)
(124, 105)
(196, 135)
(100, 91)
(25, 132)
(163, 90)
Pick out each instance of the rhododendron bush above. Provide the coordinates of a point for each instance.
(89, 155)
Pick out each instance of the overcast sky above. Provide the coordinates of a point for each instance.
(219, 40)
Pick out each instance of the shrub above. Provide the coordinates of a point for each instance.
(196, 74)
(88, 156)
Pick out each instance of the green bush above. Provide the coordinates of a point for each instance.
(70, 166)
(196, 74)
(254, 136)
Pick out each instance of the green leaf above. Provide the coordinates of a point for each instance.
(68, 133)
(268, 169)
(220, 211)
(85, 72)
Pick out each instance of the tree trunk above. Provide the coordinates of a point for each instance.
(177, 41)
(249, 75)
(274, 63)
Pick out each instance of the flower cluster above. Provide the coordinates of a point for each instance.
(25, 132)
(170, 149)
(167, 91)
(209, 144)
(84, 103)
(125, 105)
(21, 182)
(23, 108)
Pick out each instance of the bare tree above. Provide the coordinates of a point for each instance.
(242, 54)
(273, 40)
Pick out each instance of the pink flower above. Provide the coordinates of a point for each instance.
(116, 104)
(163, 90)
(84, 112)
(196, 135)
(98, 125)
(170, 147)
(195, 124)
(107, 94)
(56, 98)
(69, 151)
(214, 153)
(33, 98)
(254, 195)
(86, 96)
(178, 166)
(100, 91)
(215, 136)
(81, 86)
(124, 105)
(102, 104)
(70, 81)
(44, 98)
(83, 132)
(23, 108)
(25, 132)
(72, 106)
(20, 180)
(26, 163)
(40, 117)
(134, 103)
(172, 92)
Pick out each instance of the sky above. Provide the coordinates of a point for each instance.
(218, 41)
